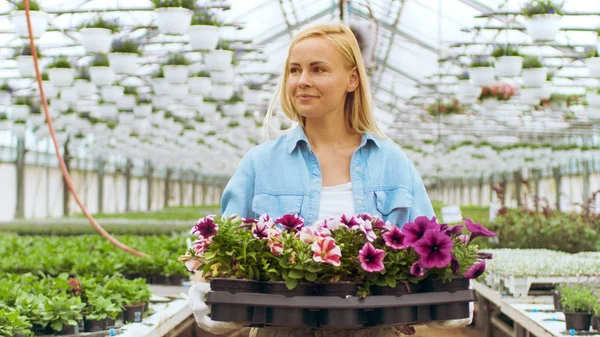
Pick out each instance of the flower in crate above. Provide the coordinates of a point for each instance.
(417, 269)
(349, 221)
(326, 251)
(477, 229)
(261, 230)
(205, 227)
(366, 226)
(414, 231)
(476, 270)
(312, 233)
(394, 238)
(291, 222)
(435, 249)
(371, 258)
(275, 245)
(201, 244)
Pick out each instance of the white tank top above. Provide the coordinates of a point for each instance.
(335, 201)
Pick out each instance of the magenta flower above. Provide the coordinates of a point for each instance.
(476, 270)
(275, 245)
(260, 230)
(205, 227)
(291, 222)
(365, 216)
(477, 229)
(367, 228)
(451, 231)
(333, 224)
(249, 221)
(265, 217)
(464, 238)
(394, 239)
(371, 258)
(414, 231)
(326, 251)
(349, 221)
(484, 255)
(201, 244)
(454, 265)
(435, 249)
(417, 270)
(310, 234)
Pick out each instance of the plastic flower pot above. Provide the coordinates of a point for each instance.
(194, 101)
(593, 99)
(69, 94)
(142, 110)
(556, 299)
(534, 77)
(544, 91)
(112, 94)
(595, 322)
(50, 90)
(218, 60)
(161, 101)
(528, 96)
(94, 325)
(178, 91)
(61, 77)
(509, 66)
(126, 102)
(287, 316)
(111, 322)
(397, 315)
(200, 85)
(235, 286)
(482, 76)
(160, 86)
(578, 321)
(39, 23)
(348, 318)
(279, 288)
(231, 312)
(434, 285)
(222, 91)
(133, 313)
(25, 65)
(207, 108)
(225, 76)
(339, 289)
(126, 118)
(123, 63)
(19, 111)
(593, 64)
(399, 290)
(96, 40)
(176, 280)
(5, 125)
(84, 88)
(108, 110)
(102, 76)
(176, 74)
(68, 330)
(173, 20)
(203, 37)
(543, 27)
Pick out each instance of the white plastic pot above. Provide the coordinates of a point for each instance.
(61, 77)
(160, 86)
(161, 101)
(39, 23)
(222, 91)
(176, 74)
(193, 100)
(19, 129)
(69, 94)
(534, 77)
(112, 94)
(59, 105)
(19, 112)
(96, 40)
(126, 102)
(179, 91)
(225, 76)
(142, 110)
(593, 65)
(123, 63)
(544, 91)
(543, 27)
(235, 110)
(85, 105)
(218, 59)
(84, 88)
(529, 96)
(204, 37)
(509, 66)
(108, 110)
(482, 76)
(200, 85)
(50, 90)
(593, 99)
(173, 20)
(207, 108)
(490, 103)
(5, 125)
(102, 76)
(126, 118)
(254, 96)
(25, 65)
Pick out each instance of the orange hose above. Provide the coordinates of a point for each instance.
(61, 161)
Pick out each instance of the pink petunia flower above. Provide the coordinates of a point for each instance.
(367, 228)
(192, 264)
(417, 270)
(349, 221)
(476, 270)
(274, 243)
(464, 238)
(326, 251)
(201, 244)
(309, 235)
(205, 227)
(260, 230)
(371, 258)
(435, 249)
(291, 222)
(394, 239)
(332, 224)
(477, 229)
(414, 231)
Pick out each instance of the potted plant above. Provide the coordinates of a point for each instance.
(179, 92)
(112, 93)
(61, 73)
(39, 19)
(508, 61)
(200, 83)
(173, 17)
(218, 59)
(97, 34)
(101, 74)
(82, 84)
(592, 96)
(25, 61)
(204, 32)
(6, 92)
(21, 108)
(577, 300)
(222, 92)
(500, 91)
(12, 323)
(224, 76)
(160, 85)
(5, 123)
(235, 106)
(596, 314)
(543, 19)
(128, 100)
(63, 313)
(97, 311)
(176, 69)
(481, 71)
(123, 57)
(592, 61)
(534, 74)
(143, 107)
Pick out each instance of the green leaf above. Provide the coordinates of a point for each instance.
(296, 274)
(291, 283)
(394, 271)
(310, 277)
(283, 263)
(229, 253)
(381, 282)
(298, 267)
(391, 281)
(312, 268)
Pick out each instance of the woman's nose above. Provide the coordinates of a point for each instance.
(304, 80)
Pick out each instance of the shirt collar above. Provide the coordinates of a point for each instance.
(297, 135)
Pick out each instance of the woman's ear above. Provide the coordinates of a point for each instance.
(353, 80)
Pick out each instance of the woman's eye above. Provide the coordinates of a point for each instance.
(293, 70)
(319, 70)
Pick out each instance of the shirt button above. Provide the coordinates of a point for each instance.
(357, 169)
(359, 202)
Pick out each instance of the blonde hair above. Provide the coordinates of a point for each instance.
(358, 108)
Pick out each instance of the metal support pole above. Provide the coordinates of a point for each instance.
(20, 210)
(204, 191)
(67, 159)
(194, 181)
(480, 194)
(149, 173)
(128, 167)
(491, 180)
(518, 181)
(181, 187)
(586, 180)
(537, 175)
(505, 187)
(167, 187)
(461, 191)
(100, 185)
(558, 181)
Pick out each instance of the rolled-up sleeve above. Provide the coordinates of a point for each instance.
(421, 204)
(239, 192)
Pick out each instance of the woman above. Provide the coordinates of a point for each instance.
(336, 161)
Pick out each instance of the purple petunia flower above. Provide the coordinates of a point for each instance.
(464, 238)
(249, 221)
(414, 231)
(452, 231)
(476, 270)
(371, 258)
(484, 255)
(417, 270)
(367, 228)
(477, 229)
(205, 227)
(435, 249)
(454, 265)
(349, 221)
(291, 222)
(379, 223)
(394, 239)
(261, 230)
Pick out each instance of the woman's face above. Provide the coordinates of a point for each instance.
(318, 81)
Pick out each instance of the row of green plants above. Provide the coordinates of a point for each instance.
(39, 303)
(580, 302)
(70, 228)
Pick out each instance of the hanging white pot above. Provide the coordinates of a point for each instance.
(112, 94)
(200, 85)
(102, 76)
(6, 125)
(126, 118)
(207, 108)
(161, 101)
(160, 86)
(178, 91)
(529, 96)
(593, 99)
(235, 110)
(593, 65)
(142, 110)
(228, 33)
(490, 103)
(50, 90)
(59, 105)
(85, 105)
(482, 76)
(173, 20)
(194, 100)
(176, 74)
(19, 112)
(222, 91)
(84, 88)
(96, 40)
(509, 66)
(534, 77)
(61, 77)
(225, 76)
(543, 27)
(126, 102)
(253, 96)
(123, 63)
(25, 65)
(108, 110)
(19, 129)
(39, 23)
(204, 38)
(544, 92)
(69, 94)
(218, 59)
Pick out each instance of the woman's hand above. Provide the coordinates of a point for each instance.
(201, 311)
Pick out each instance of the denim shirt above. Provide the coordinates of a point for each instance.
(283, 176)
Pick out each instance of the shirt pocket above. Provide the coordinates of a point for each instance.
(276, 205)
(394, 205)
